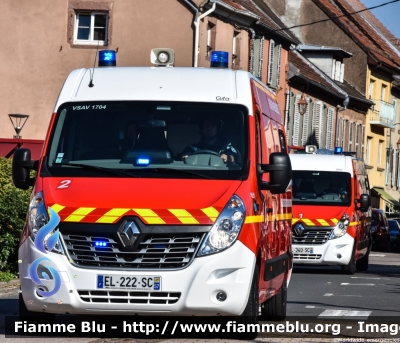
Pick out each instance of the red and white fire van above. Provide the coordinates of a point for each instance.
(331, 210)
(123, 221)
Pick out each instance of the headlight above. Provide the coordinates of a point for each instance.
(226, 228)
(37, 218)
(341, 227)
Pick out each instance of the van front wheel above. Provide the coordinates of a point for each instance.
(274, 309)
(350, 268)
(250, 314)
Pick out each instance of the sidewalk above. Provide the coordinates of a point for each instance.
(9, 288)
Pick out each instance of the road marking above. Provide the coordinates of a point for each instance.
(344, 313)
(357, 284)
(370, 278)
(341, 295)
(377, 255)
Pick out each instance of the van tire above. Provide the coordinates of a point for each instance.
(362, 263)
(350, 268)
(250, 313)
(40, 317)
(274, 309)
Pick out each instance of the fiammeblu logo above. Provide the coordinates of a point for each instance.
(46, 239)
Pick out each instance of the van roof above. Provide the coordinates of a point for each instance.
(158, 83)
(334, 163)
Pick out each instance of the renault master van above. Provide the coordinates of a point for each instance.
(124, 220)
(331, 210)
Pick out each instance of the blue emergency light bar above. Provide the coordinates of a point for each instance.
(338, 150)
(143, 161)
(219, 59)
(100, 244)
(107, 58)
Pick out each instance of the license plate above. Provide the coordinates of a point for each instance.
(136, 283)
(303, 250)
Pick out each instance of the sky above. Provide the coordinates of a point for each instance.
(388, 15)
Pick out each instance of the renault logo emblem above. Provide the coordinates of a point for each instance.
(298, 230)
(128, 233)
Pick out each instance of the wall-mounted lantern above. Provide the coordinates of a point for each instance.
(302, 104)
(18, 121)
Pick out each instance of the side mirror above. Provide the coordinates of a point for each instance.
(363, 203)
(280, 173)
(21, 166)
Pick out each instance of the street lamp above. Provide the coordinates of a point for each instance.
(18, 121)
(302, 104)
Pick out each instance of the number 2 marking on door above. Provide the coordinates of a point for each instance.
(64, 184)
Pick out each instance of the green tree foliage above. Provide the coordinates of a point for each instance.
(13, 208)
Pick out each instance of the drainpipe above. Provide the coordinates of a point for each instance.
(194, 21)
(197, 24)
(253, 36)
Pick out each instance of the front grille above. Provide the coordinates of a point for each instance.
(153, 251)
(127, 297)
(306, 256)
(312, 236)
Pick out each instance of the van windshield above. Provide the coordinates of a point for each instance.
(149, 139)
(321, 188)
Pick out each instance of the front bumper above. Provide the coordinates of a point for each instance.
(230, 271)
(334, 252)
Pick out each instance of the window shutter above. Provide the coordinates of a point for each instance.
(393, 167)
(362, 140)
(350, 144)
(271, 61)
(287, 115)
(306, 124)
(278, 62)
(343, 132)
(329, 128)
(337, 129)
(357, 139)
(296, 121)
(261, 58)
(317, 124)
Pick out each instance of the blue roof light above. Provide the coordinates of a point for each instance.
(107, 58)
(338, 150)
(219, 59)
(143, 161)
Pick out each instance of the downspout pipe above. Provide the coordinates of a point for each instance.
(197, 25)
(194, 21)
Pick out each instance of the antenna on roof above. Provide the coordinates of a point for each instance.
(94, 65)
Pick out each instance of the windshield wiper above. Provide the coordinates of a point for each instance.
(118, 172)
(179, 171)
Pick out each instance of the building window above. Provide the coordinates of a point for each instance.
(236, 50)
(362, 140)
(211, 35)
(91, 28)
(368, 152)
(383, 92)
(380, 148)
(89, 23)
(371, 88)
(274, 64)
(356, 140)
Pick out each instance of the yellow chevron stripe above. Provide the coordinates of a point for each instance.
(149, 216)
(354, 223)
(284, 216)
(184, 216)
(211, 213)
(57, 208)
(323, 222)
(79, 214)
(308, 222)
(295, 220)
(334, 220)
(112, 215)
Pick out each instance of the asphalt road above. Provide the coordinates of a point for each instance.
(314, 292)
